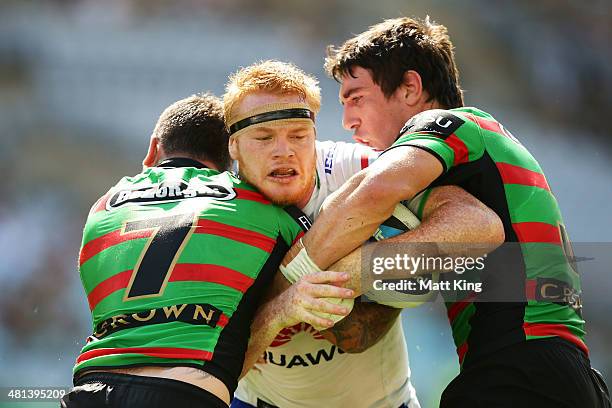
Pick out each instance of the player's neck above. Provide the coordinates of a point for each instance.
(302, 203)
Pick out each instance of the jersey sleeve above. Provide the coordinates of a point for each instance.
(417, 204)
(340, 161)
(449, 136)
(293, 224)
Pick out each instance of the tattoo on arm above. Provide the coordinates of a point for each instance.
(363, 327)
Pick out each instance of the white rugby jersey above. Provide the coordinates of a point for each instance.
(301, 368)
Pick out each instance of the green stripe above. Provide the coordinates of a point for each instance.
(241, 257)
(429, 142)
(470, 134)
(548, 261)
(176, 293)
(531, 204)
(550, 313)
(472, 110)
(111, 261)
(289, 228)
(505, 150)
(226, 252)
(461, 325)
(171, 334)
(224, 212)
(426, 194)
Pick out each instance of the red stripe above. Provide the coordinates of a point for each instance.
(211, 273)
(530, 289)
(255, 239)
(237, 234)
(108, 286)
(300, 235)
(460, 149)
(181, 272)
(461, 350)
(223, 320)
(160, 352)
(365, 160)
(100, 205)
(560, 330)
(458, 307)
(512, 174)
(250, 195)
(487, 124)
(537, 232)
(99, 244)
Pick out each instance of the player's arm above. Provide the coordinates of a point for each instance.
(450, 214)
(363, 327)
(286, 306)
(367, 200)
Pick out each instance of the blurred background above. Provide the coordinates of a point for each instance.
(82, 83)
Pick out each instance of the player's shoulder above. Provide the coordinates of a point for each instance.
(444, 122)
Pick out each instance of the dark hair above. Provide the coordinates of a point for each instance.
(195, 126)
(390, 48)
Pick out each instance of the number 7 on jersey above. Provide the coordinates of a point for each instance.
(157, 259)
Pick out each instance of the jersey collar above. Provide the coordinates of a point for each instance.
(175, 162)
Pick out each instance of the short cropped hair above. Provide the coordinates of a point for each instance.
(271, 76)
(391, 48)
(195, 126)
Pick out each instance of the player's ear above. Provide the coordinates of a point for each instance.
(411, 87)
(233, 148)
(151, 157)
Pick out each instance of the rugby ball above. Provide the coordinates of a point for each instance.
(401, 220)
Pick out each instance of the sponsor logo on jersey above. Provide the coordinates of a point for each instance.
(303, 360)
(197, 314)
(437, 121)
(299, 217)
(285, 335)
(557, 291)
(305, 221)
(328, 162)
(299, 360)
(163, 193)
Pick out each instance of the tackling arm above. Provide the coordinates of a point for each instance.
(450, 215)
(285, 306)
(367, 200)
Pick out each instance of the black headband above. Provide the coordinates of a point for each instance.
(299, 113)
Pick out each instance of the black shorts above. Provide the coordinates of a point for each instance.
(535, 373)
(123, 390)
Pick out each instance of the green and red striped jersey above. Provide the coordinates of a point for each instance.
(480, 155)
(174, 261)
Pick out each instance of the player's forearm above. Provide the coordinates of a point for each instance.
(263, 332)
(306, 301)
(363, 327)
(452, 216)
(351, 216)
(265, 326)
(367, 200)
(454, 224)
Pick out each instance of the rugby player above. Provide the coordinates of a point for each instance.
(270, 110)
(399, 87)
(174, 262)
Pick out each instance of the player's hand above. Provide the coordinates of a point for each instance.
(303, 299)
